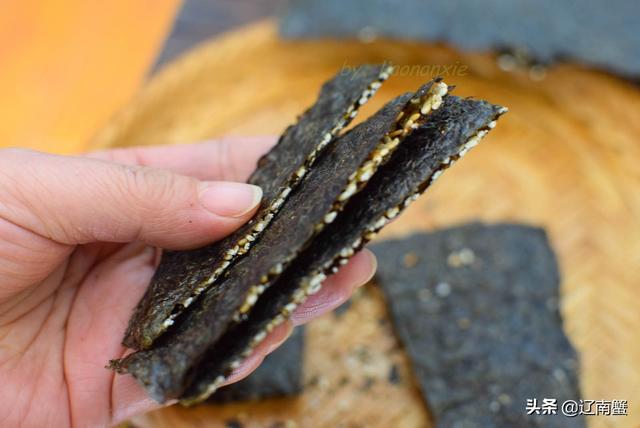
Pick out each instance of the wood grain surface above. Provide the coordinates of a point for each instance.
(564, 158)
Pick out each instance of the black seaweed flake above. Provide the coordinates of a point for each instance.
(183, 275)
(478, 316)
(394, 377)
(233, 423)
(447, 134)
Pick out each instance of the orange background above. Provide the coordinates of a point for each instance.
(67, 66)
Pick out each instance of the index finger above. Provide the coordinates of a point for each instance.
(227, 159)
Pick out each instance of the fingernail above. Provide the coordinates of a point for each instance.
(373, 260)
(287, 334)
(228, 199)
(371, 268)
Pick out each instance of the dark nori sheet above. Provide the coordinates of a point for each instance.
(476, 308)
(594, 32)
(279, 375)
(181, 272)
(167, 367)
(411, 168)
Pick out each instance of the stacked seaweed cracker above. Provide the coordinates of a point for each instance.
(326, 194)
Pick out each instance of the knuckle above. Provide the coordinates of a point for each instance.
(150, 189)
(222, 161)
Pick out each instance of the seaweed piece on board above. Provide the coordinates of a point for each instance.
(447, 134)
(477, 313)
(279, 375)
(183, 275)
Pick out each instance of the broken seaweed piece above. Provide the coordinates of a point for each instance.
(484, 335)
(167, 369)
(279, 375)
(183, 275)
(446, 135)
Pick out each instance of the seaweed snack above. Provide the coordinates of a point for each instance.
(166, 369)
(476, 308)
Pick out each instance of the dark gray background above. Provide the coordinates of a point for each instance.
(198, 20)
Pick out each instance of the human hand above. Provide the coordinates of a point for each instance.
(77, 251)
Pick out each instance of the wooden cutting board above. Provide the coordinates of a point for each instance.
(564, 158)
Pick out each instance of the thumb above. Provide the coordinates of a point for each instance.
(77, 200)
